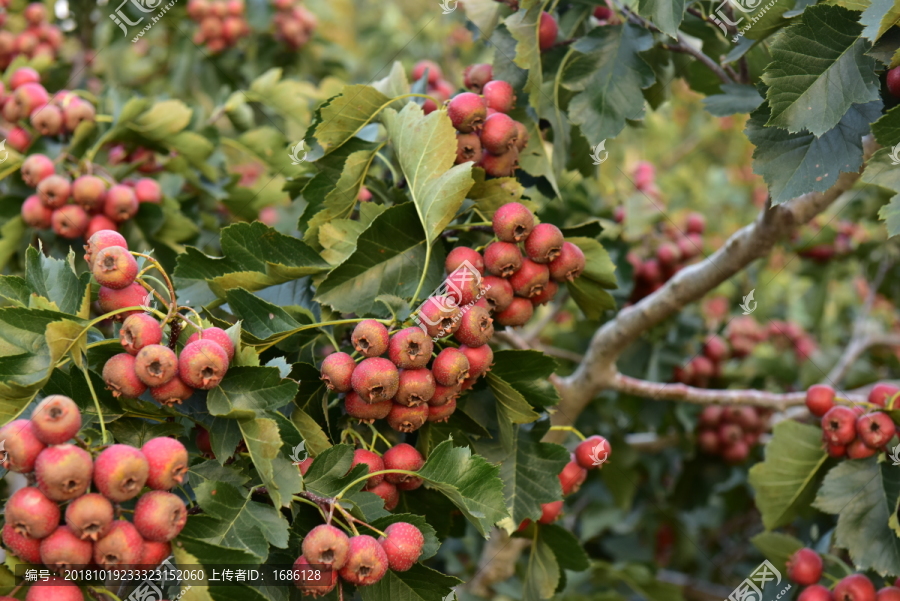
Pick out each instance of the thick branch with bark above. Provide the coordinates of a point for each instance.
(598, 370)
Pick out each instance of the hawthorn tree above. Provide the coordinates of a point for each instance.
(487, 299)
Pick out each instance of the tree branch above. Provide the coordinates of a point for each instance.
(598, 370)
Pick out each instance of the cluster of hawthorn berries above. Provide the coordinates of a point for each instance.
(855, 432)
(731, 432)
(805, 568)
(360, 560)
(294, 24)
(591, 453)
(669, 258)
(142, 158)
(30, 101)
(39, 38)
(704, 367)
(146, 363)
(221, 23)
(82, 207)
(401, 388)
(57, 522)
(486, 135)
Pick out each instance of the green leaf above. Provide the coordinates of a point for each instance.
(135, 432)
(598, 266)
(542, 572)
(785, 481)
(491, 194)
(234, 521)
(249, 392)
(470, 482)
(262, 321)
(776, 547)
(164, 119)
(416, 584)
(395, 84)
(56, 281)
(15, 290)
(484, 14)
(279, 475)
(795, 164)
(819, 70)
(344, 115)
(879, 17)
(736, 98)
(256, 256)
(389, 259)
(290, 97)
(523, 27)
(864, 495)
(426, 149)
(529, 469)
(566, 547)
(330, 473)
(609, 75)
(211, 470)
(316, 440)
(881, 171)
(11, 234)
(527, 373)
(665, 14)
(887, 128)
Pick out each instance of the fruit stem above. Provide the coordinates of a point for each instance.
(568, 429)
(87, 376)
(370, 474)
(198, 325)
(351, 520)
(289, 333)
(378, 435)
(165, 276)
(422, 279)
(351, 433)
(347, 517)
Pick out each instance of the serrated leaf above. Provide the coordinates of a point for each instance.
(591, 297)
(316, 440)
(528, 373)
(864, 495)
(10, 235)
(491, 194)
(135, 432)
(343, 116)
(14, 289)
(819, 70)
(237, 522)
(795, 164)
(470, 482)
(785, 481)
(338, 236)
(887, 128)
(776, 547)
(416, 584)
(256, 256)
(290, 97)
(212, 470)
(879, 17)
(56, 280)
(330, 473)
(609, 75)
(394, 84)
(565, 546)
(484, 14)
(278, 474)
(736, 98)
(426, 149)
(249, 392)
(542, 572)
(881, 170)
(164, 119)
(665, 14)
(529, 469)
(523, 27)
(389, 259)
